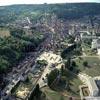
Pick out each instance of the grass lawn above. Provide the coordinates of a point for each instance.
(53, 95)
(88, 50)
(93, 68)
(74, 88)
(74, 82)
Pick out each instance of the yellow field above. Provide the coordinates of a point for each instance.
(4, 32)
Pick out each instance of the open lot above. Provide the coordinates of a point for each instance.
(24, 88)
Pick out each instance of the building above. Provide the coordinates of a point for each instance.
(98, 46)
(93, 88)
(98, 51)
(94, 44)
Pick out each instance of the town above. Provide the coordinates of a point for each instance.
(61, 58)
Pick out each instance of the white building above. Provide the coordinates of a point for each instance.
(98, 46)
(94, 44)
(93, 88)
(98, 51)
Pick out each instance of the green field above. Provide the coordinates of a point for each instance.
(58, 90)
(75, 83)
(93, 68)
(53, 95)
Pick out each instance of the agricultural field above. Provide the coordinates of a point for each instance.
(4, 32)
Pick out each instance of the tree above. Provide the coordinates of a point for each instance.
(4, 65)
(42, 62)
(36, 94)
(52, 76)
(62, 69)
(14, 48)
(27, 80)
(68, 63)
(73, 63)
(70, 98)
(68, 84)
(71, 39)
(17, 32)
(68, 50)
(61, 98)
(85, 63)
(37, 91)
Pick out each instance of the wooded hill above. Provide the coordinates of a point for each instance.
(65, 11)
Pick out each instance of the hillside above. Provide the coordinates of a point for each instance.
(65, 11)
